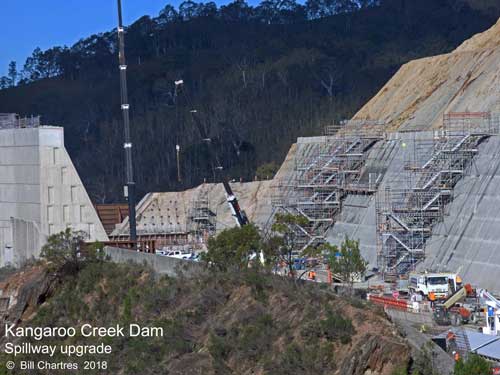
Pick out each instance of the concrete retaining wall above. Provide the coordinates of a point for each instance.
(159, 263)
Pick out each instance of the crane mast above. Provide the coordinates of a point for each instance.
(127, 145)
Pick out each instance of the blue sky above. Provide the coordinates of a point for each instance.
(29, 24)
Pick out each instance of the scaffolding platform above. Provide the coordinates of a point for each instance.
(408, 209)
(325, 175)
(201, 219)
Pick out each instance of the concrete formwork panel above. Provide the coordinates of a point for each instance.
(26, 137)
(20, 174)
(19, 155)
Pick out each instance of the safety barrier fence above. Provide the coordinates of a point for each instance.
(389, 302)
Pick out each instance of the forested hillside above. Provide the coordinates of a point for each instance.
(254, 77)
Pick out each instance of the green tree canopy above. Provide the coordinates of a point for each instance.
(66, 251)
(267, 171)
(347, 261)
(474, 365)
(285, 245)
(233, 248)
(63, 250)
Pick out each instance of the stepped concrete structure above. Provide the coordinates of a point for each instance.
(40, 192)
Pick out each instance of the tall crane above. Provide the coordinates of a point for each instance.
(127, 145)
(236, 211)
(238, 214)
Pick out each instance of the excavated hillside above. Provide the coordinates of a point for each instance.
(418, 95)
(252, 323)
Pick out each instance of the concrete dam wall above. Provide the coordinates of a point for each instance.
(40, 193)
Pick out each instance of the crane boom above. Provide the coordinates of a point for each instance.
(238, 214)
(236, 211)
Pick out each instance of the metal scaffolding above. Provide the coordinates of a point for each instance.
(12, 121)
(201, 219)
(323, 176)
(409, 207)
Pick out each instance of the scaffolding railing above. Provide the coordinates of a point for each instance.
(324, 174)
(13, 121)
(201, 218)
(408, 208)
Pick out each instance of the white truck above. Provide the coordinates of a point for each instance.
(442, 284)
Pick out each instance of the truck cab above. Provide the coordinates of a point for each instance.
(441, 284)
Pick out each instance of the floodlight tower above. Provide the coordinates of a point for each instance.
(127, 145)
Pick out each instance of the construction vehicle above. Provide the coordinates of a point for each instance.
(441, 284)
(491, 311)
(236, 211)
(453, 310)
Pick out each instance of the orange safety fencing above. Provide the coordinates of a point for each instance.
(389, 302)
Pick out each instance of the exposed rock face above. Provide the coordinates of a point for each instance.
(371, 357)
(23, 292)
(418, 95)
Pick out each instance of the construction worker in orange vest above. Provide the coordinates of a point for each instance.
(456, 356)
(313, 275)
(450, 336)
(432, 298)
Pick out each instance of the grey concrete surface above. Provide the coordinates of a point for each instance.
(161, 264)
(40, 193)
(468, 239)
(358, 219)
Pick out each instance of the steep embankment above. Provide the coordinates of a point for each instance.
(418, 95)
(250, 324)
(22, 292)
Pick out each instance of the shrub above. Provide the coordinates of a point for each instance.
(255, 338)
(218, 347)
(333, 327)
(267, 171)
(474, 365)
(258, 282)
